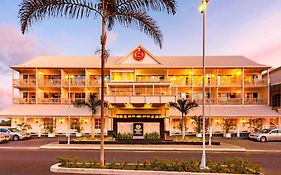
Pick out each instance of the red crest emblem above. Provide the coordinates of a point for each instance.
(139, 54)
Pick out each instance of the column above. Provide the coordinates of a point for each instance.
(36, 86)
(243, 87)
(279, 122)
(268, 88)
(238, 128)
(192, 82)
(170, 125)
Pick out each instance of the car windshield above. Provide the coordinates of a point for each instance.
(265, 131)
(14, 130)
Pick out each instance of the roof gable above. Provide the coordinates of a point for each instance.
(139, 52)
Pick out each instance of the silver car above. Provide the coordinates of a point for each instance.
(15, 134)
(266, 135)
(4, 138)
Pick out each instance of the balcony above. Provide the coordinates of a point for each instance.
(49, 82)
(74, 83)
(24, 101)
(255, 101)
(140, 99)
(72, 100)
(24, 82)
(49, 101)
(256, 83)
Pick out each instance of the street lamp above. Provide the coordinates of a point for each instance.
(202, 9)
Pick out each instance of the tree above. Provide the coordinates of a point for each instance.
(92, 104)
(198, 120)
(128, 13)
(183, 105)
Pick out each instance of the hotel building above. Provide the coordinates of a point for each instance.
(138, 88)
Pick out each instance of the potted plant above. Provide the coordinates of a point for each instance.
(24, 126)
(50, 129)
(197, 120)
(227, 125)
(79, 129)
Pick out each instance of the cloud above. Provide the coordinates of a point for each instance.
(260, 40)
(16, 48)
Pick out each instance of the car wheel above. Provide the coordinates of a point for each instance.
(263, 139)
(16, 138)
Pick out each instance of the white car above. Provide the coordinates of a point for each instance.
(266, 135)
(15, 134)
(4, 138)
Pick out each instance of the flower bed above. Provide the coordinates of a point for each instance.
(230, 165)
(137, 141)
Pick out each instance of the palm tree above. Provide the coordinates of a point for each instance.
(92, 104)
(128, 13)
(183, 105)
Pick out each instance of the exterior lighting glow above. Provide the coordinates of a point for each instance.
(86, 121)
(202, 7)
(36, 120)
(61, 120)
(41, 73)
(147, 105)
(128, 105)
(218, 121)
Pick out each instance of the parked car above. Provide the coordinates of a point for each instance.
(266, 135)
(4, 138)
(15, 134)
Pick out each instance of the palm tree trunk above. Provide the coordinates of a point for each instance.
(92, 126)
(183, 127)
(103, 52)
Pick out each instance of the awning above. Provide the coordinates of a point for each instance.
(20, 110)
(231, 111)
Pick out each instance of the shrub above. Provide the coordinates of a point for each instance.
(123, 136)
(152, 136)
(230, 165)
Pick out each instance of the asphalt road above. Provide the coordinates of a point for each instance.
(37, 162)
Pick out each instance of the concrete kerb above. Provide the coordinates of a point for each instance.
(57, 169)
(141, 148)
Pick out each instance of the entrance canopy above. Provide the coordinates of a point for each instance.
(231, 111)
(46, 111)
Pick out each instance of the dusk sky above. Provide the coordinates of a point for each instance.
(234, 27)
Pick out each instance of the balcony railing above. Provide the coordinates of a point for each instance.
(256, 83)
(24, 100)
(24, 82)
(74, 83)
(230, 101)
(250, 101)
(72, 100)
(49, 101)
(49, 82)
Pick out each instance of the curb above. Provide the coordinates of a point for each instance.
(56, 169)
(141, 148)
(20, 148)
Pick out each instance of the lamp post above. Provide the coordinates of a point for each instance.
(68, 137)
(202, 9)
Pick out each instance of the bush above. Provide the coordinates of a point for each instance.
(152, 136)
(123, 136)
(230, 165)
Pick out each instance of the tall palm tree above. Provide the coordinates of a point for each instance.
(183, 105)
(92, 104)
(128, 13)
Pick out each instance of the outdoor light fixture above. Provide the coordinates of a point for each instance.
(36, 120)
(218, 121)
(61, 120)
(86, 121)
(16, 120)
(128, 105)
(243, 121)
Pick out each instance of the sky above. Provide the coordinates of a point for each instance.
(251, 28)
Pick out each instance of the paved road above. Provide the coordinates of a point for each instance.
(33, 161)
(37, 162)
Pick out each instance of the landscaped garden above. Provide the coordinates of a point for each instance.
(230, 165)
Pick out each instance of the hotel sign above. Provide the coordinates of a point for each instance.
(139, 54)
(138, 129)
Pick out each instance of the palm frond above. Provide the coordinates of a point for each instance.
(142, 21)
(32, 11)
(145, 5)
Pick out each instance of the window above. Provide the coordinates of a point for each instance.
(276, 100)
(25, 77)
(48, 122)
(73, 123)
(24, 95)
(97, 123)
(274, 131)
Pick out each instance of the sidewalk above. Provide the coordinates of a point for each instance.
(222, 147)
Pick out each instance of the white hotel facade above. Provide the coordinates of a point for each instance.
(138, 88)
